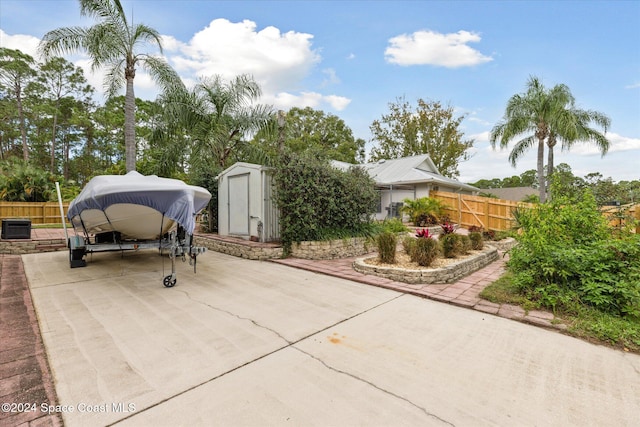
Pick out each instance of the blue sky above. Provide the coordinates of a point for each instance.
(352, 58)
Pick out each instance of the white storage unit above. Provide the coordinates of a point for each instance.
(246, 206)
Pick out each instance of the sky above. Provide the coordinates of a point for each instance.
(353, 58)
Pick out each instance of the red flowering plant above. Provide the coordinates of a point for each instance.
(447, 228)
(423, 233)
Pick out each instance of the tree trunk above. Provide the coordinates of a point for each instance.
(130, 126)
(23, 130)
(65, 168)
(541, 181)
(550, 166)
(53, 139)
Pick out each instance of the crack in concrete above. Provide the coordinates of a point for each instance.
(237, 316)
(633, 366)
(222, 374)
(357, 378)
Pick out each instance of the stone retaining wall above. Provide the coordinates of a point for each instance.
(447, 274)
(504, 244)
(20, 247)
(332, 249)
(240, 249)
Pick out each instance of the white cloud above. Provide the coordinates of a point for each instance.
(337, 102)
(633, 86)
(331, 78)
(286, 100)
(619, 143)
(25, 43)
(431, 48)
(276, 60)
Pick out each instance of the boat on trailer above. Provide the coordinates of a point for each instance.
(134, 211)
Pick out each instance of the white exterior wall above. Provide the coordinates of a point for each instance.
(245, 208)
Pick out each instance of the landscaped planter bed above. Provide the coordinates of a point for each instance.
(450, 272)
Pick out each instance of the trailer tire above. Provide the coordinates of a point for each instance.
(169, 282)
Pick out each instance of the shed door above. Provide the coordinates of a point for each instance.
(239, 204)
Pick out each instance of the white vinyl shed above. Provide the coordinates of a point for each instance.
(246, 205)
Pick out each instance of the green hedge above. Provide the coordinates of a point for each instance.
(320, 202)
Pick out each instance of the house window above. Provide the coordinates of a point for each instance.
(435, 188)
(379, 201)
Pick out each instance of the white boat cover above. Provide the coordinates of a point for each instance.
(171, 197)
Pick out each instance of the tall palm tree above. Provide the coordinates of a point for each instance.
(528, 114)
(112, 43)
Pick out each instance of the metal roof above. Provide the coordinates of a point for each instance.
(407, 170)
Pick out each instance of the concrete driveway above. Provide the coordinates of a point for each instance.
(260, 344)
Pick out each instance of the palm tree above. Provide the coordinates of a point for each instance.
(112, 43)
(571, 125)
(527, 113)
(551, 116)
(219, 118)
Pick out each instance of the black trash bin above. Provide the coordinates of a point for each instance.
(16, 229)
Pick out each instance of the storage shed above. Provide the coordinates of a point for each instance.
(246, 205)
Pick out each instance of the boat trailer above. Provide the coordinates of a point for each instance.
(177, 243)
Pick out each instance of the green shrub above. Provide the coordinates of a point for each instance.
(387, 247)
(409, 245)
(394, 225)
(424, 210)
(568, 256)
(426, 250)
(489, 235)
(451, 245)
(466, 243)
(477, 242)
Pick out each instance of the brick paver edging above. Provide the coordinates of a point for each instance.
(465, 292)
(25, 375)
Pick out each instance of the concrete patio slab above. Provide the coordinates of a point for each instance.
(115, 335)
(257, 343)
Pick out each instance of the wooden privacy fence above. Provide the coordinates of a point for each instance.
(485, 212)
(620, 216)
(463, 209)
(497, 214)
(37, 212)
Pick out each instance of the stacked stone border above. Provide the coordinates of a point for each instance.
(447, 274)
(503, 245)
(240, 248)
(20, 247)
(331, 249)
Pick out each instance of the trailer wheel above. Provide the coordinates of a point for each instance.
(168, 282)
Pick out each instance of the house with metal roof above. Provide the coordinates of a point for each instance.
(410, 177)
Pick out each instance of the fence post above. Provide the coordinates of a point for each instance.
(486, 213)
